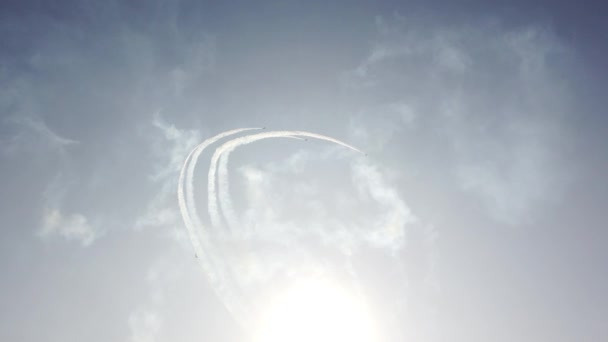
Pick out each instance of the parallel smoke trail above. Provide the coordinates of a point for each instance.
(208, 257)
(200, 240)
(225, 150)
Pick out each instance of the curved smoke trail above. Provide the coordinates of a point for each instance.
(224, 152)
(207, 253)
(199, 239)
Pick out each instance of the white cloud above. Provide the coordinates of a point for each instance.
(145, 326)
(199, 58)
(39, 127)
(319, 212)
(32, 134)
(157, 215)
(389, 120)
(289, 204)
(170, 149)
(163, 279)
(72, 227)
(493, 97)
(390, 230)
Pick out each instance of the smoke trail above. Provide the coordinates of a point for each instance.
(200, 240)
(225, 150)
(224, 194)
(206, 252)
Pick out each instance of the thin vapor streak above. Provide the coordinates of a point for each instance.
(226, 149)
(196, 231)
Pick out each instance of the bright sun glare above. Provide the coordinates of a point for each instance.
(316, 310)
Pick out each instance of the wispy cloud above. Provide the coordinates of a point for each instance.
(61, 220)
(390, 230)
(145, 325)
(148, 320)
(299, 220)
(359, 211)
(71, 227)
(170, 146)
(495, 97)
(29, 134)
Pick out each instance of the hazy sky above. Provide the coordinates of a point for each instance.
(478, 214)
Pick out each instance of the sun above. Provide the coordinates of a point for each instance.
(316, 310)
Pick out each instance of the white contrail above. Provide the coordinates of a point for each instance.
(191, 161)
(200, 239)
(225, 150)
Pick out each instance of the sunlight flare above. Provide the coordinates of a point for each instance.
(316, 310)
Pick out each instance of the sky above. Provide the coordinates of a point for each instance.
(475, 212)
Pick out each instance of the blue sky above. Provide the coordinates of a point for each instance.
(478, 213)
